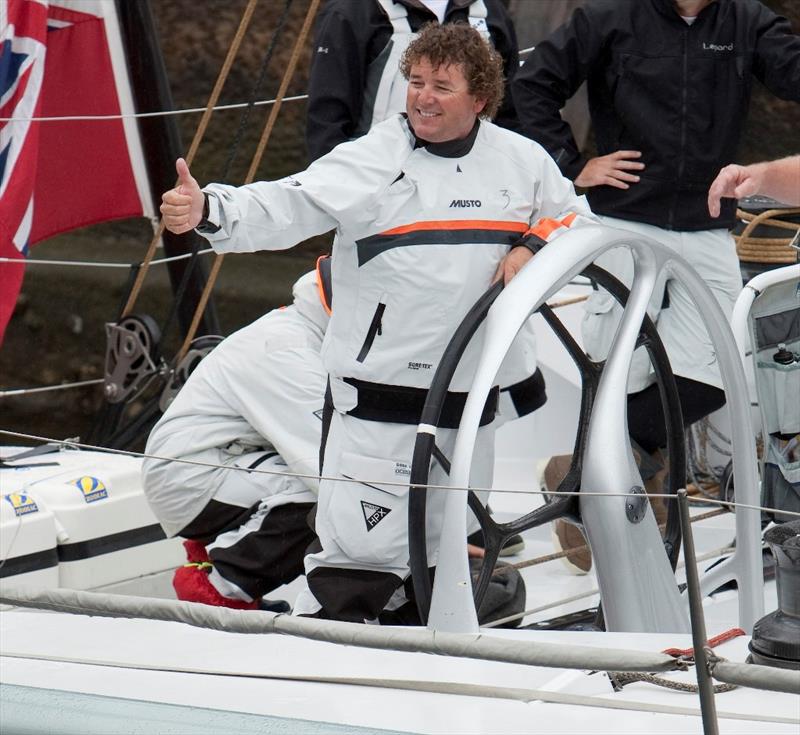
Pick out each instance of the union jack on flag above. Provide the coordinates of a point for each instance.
(62, 58)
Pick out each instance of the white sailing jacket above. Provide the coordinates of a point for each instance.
(420, 233)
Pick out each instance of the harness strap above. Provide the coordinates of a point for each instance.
(400, 404)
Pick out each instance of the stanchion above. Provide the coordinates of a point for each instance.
(708, 707)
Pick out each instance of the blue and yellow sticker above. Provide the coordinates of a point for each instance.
(93, 488)
(22, 503)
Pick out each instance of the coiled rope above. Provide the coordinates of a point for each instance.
(774, 250)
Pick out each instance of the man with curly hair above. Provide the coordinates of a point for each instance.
(355, 80)
(427, 207)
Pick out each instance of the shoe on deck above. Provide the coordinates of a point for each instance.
(276, 606)
(568, 537)
(195, 552)
(192, 584)
(512, 545)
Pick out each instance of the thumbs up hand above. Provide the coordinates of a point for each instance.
(182, 207)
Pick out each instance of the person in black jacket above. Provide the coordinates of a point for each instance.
(355, 81)
(669, 85)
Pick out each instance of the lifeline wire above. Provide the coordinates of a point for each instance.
(47, 388)
(62, 386)
(69, 443)
(251, 173)
(195, 144)
(98, 264)
(168, 113)
(160, 113)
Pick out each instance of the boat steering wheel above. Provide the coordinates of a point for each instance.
(495, 534)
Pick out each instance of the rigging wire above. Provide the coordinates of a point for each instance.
(38, 389)
(46, 388)
(170, 113)
(198, 136)
(158, 113)
(256, 160)
(237, 138)
(74, 444)
(100, 264)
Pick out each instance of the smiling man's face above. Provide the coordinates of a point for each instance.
(439, 104)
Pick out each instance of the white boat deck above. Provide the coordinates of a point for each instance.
(103, 675)
(274, 677)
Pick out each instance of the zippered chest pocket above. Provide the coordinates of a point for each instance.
(374, 329)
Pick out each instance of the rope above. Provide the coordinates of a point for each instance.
(585, 547)
(567, 302)
(619, 679)
(479, 647)
(754, 249)
(198, 136)
(74, 444)
(262, 73)
(262, 144)
(713, 554)
(712, 642)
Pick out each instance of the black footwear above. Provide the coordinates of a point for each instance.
(276, 606)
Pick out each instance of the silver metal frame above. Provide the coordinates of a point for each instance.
(752, 289)
(637, 584)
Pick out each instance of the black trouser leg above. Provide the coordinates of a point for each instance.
(270, 555)
(353, 595)
(646, 422)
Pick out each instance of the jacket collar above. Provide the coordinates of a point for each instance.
(417, 4)
(450, 148)
(668, 7)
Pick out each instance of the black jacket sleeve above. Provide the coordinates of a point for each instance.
(776, 62)
(550, 76)
(339, 63)
(504, 39)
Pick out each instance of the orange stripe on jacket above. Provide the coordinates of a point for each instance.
(547, 226)
(323, 298)
(459, 224)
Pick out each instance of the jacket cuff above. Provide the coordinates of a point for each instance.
(571, 166)
(531, 242)
(210, 222)
(573, 170)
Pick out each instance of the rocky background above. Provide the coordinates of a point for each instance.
(57, 333)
